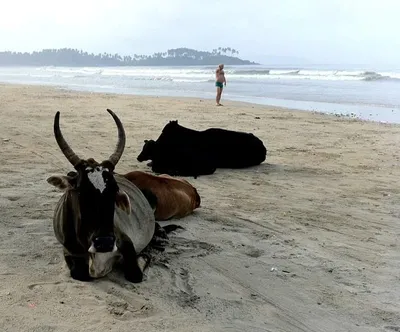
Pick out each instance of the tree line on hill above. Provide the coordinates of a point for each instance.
(74, 57)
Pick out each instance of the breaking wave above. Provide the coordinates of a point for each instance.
(198, 74)
(337, 75)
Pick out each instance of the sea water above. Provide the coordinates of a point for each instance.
(359, 91)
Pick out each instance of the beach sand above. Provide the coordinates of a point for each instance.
(307, 241)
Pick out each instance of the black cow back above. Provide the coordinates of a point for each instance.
(233, 149)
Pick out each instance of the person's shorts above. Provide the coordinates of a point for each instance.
(219, 85)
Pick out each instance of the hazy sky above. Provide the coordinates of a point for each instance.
(324, 31)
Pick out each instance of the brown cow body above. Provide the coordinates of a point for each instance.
(176, 198)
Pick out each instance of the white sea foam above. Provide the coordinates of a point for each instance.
(199, 74)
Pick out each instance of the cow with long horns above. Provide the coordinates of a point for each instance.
(101, 216)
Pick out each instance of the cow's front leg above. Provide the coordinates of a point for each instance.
(133, 264)
(78, 266)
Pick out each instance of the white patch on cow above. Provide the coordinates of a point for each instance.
(141, 263)
(92, 249)
(96, 178)
(101, 263)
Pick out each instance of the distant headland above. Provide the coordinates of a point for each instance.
(72, 57)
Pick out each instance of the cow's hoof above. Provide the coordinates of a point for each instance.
(134, 276)
(80, 275)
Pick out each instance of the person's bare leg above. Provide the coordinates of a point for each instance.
(217, 99)
(219, 93)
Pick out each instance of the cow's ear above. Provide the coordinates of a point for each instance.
(62, 182)
(122, 201)
(146, 140)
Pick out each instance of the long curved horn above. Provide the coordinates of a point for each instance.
(62, 143)
(114, 158)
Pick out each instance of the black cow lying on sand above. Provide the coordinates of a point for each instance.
(187, 152)
(102, 216)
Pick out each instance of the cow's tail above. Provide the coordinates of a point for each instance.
(170, 228)
(160, 238)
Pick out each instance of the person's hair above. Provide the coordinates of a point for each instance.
(220, 66)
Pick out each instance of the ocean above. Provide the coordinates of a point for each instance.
(353, 91)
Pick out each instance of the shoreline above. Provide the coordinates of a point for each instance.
(305, 106)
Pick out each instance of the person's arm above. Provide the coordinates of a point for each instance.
(224, 79)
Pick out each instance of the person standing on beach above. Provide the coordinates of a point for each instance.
(219, 81)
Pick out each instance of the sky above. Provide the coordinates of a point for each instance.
(321, 31)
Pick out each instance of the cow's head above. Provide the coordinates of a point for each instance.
(96, 190)
(147, 151)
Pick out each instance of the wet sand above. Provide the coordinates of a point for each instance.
(307, 241)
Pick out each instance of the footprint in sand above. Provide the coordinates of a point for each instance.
(182, 289)
(393, 328)
(190, 248)
(253, 251)
(13, 198)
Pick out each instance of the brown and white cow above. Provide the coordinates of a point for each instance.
(175, 198)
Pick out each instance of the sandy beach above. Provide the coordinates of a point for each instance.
(307, 241)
